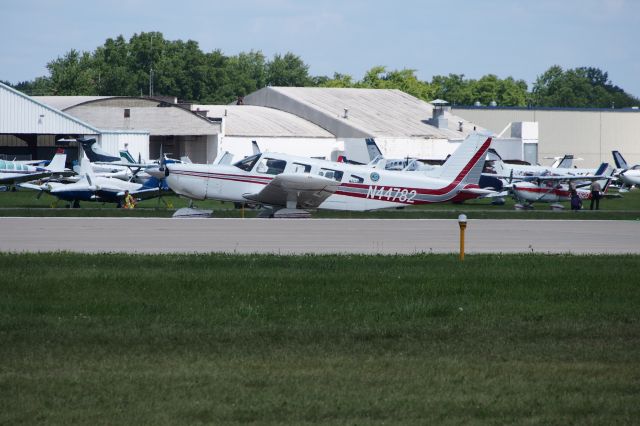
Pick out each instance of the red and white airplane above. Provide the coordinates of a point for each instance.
(554, 189)
(288, 184)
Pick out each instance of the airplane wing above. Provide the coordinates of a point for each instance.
(566, 178)
(34, 176)
(32, 186)
(24, 178)
(125, 164)
(307, 191)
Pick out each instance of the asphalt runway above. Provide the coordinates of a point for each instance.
(297, 236)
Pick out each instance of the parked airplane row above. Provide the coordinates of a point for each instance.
(289, 186)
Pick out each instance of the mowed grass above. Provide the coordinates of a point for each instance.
(222, 339)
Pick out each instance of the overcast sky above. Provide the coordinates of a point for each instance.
(518, 38)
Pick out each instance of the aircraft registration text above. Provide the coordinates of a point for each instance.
(391, 194)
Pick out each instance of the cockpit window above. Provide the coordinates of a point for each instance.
(331, 174)
(271, 166)
(247, 163)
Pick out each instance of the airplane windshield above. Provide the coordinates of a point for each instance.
(248, 163)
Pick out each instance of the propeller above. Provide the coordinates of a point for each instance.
(163, 163)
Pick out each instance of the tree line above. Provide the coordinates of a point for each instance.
(149, 64)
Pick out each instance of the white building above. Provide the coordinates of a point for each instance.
(590, 134)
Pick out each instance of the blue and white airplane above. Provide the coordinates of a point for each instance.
(99, 189)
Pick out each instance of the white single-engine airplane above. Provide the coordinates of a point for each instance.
(287, 185)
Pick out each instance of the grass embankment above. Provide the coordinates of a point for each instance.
(226, 339)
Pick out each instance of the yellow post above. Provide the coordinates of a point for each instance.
(243, 210)
(462, 222)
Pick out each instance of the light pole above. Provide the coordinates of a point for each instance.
(462, 222)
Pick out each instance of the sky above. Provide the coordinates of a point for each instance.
(517, 38)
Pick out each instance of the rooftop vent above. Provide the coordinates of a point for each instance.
(438, 119)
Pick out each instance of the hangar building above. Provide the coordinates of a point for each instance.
(317, 122)
(29, 128)
(590, 134)
(402, 125)
(274, 130)
(174, 129)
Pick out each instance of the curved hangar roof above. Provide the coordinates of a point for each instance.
(251, 120)
(157, 117)
(370, 112)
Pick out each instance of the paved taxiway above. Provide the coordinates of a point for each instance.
(296, 236)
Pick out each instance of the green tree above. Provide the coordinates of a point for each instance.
(584, 87)
(512, 92)
(40, 86)
(288, 70)
(73, 74)
(405, 80)
(338, 80)
(246, 73)
(453, 89)
(114, 63)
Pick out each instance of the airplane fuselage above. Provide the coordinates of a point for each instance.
(630, 177)
(532, 192)
(359, 187)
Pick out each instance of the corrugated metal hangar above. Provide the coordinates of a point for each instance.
(174, 129)
(274, 130)
(315, 122)
(400, 123)
(590, 134)
(326, 122)
(29, 128)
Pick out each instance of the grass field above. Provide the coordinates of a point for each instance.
(25, 203)
(221, 339)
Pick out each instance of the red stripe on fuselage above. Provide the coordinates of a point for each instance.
(556, 191)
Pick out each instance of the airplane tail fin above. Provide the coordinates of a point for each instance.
(94, 152)
(566, 162)
(57, 162)
(619, 159)
(466, 163)
(126, 156)
(606, 171)
(223, 159)
(372, 149)
(255, 148)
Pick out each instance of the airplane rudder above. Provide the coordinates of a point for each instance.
(619, 160)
